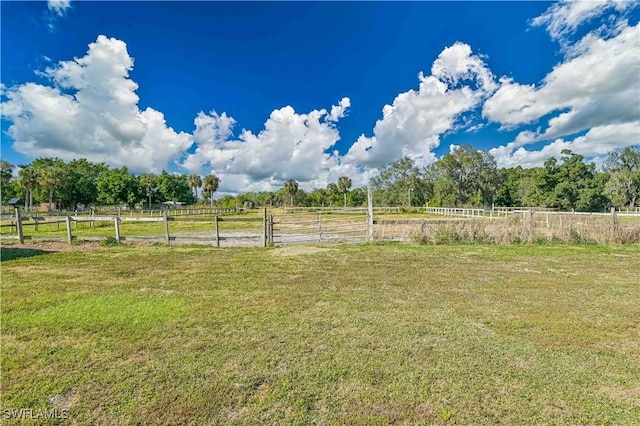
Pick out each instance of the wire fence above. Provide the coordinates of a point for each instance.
(513, 225)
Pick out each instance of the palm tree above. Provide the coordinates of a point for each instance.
(149, 183)
(52, 178)
(28, 178)
(210, 186)
(195, 182)
(344, 183)
(291, 187)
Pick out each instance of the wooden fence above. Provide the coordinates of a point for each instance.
(207, 230)
(332, 225)
(231, 230)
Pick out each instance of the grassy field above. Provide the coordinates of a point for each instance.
(372, 334)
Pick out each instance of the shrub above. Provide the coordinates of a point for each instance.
(576, 238)
(445, 235)
(109, 242)
(419, 238)
(540, 240)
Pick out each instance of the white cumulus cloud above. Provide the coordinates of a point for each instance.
(413, 124)
(91, 110)
(594, 91)
(291, 146)
(596, 143)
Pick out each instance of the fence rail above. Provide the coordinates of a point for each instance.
(317, 225)
(343, 226)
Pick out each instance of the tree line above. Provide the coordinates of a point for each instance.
(465, 177)
(470, 178)
(81, 183)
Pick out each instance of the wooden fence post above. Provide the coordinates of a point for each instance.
(369, 214)
(614, 218)
(116, 221)
(19, 226)
(531, 223)
(166, 227)
(264, 227)
(69, 234)
(215, 219)
(320, 227)
(270, 229)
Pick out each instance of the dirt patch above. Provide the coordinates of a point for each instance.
(55, 246)
(622, 394)
(297, 250)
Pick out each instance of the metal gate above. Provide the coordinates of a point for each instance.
(333, 227)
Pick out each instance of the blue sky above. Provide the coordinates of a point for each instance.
(262, 92)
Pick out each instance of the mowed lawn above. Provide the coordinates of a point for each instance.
(372, 334)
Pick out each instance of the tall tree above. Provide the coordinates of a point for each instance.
(195, 182)
(52, 178)
(149, 183)
(332, 191)
(358, 196)
(210, 186)
(80, 183)
(291, 188)
(344, 183)
(174, 187)
(318, 197)
(624, 183)
(117, 186)
(6, 175)
(570, 182)
(395, 180)
(465, 176)
(28, 178)
(6, 172)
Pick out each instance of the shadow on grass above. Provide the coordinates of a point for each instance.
(10, 253)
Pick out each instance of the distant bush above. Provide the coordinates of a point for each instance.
(576, 237)
(446, 235)
(420, 239)
(109, 242)
(540, 240)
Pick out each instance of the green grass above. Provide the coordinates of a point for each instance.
(374, 334)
